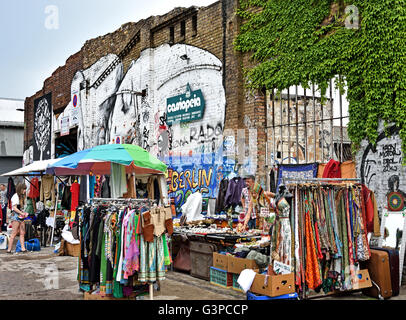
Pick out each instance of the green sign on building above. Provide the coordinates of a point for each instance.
(185, 107)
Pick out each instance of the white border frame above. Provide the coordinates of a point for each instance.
(385, 214)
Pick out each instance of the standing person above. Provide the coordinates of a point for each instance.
(18, 216)
(246, 202)
(3, 202)
(251, 198)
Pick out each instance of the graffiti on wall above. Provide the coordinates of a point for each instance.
(132, 106)
(197, 172)
(380, 167)
(42, 127)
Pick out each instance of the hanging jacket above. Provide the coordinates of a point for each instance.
(234, 190)
(221, 195)
(66, 198)
(74, 189)
(105, 187)
(92, 183)
(83, 189)
(371, 211)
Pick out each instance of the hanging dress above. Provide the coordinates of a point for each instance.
(283, 232)
(313, 279)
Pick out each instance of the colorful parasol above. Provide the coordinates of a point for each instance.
(98, 160)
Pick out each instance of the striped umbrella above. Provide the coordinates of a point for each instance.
(98, 160)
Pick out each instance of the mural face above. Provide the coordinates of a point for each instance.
(42, 127)
(381, 168)
(132, 108)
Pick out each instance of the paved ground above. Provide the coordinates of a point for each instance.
(45, 276)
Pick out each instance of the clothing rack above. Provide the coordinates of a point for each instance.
(294, 182)
(127, 200)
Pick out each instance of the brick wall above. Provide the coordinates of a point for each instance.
(217, 27)
(59, 83)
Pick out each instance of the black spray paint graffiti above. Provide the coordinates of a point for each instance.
(143, 115)
(103, 127)
(369, 172)
(208, 134)
(165, 134)
(388, 153)
(366, 163)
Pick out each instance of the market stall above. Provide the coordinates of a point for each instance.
(318, 243)
(198, 238)
(325, 241)
(123, 241)
(40, 199)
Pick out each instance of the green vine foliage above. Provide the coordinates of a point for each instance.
(303, 41)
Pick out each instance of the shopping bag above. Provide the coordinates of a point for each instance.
(30, 245)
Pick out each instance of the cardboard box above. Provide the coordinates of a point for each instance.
(362, 280)
(220, 261)
(236, 265)
(277, 284)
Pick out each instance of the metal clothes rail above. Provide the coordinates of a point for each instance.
(128, 200)
(307, 180)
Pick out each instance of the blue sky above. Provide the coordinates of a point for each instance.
(30, 51)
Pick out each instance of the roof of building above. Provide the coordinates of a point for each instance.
(9, 113)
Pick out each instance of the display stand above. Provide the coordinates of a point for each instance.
(127, 200)
(294, 182)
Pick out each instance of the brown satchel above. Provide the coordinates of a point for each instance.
(147, 227)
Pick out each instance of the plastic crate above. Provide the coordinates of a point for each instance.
(221, 278)
(236, 286)
(290, 296)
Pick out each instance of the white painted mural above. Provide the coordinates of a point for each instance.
(90, 108)
(132, 107)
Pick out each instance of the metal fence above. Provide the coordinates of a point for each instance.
(304, 128)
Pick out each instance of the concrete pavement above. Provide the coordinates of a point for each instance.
(44, 275)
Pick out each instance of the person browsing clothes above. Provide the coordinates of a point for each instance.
(18, 216)
(250, 199)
